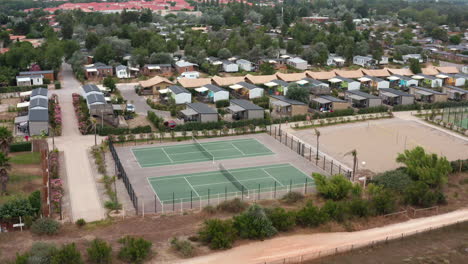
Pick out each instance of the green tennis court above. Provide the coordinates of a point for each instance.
(201, 186)
(206, 151)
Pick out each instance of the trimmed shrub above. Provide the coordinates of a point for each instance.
(397, 180)
(134, 250)
(80, 222)
(21, 146)
(292, 197)
(254, 224)
(218, 234)
(99, 252)
(45, 226)
(310, 216)
(336, 188)
(233, 206)
(67, 254)
(35, 201)
(209, 209)
(281, 219)
(183, 247)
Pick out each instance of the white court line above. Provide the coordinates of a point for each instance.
(272, 177)
(238, 149)
(154, 191)
(211, 173)
(190, 144)
(241, 181)
(192, 187)
(167, 155)
(139, 165)
(218, 158)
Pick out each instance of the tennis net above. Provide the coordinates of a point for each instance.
(231, 178)
(203, 149)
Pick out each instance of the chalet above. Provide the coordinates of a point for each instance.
(458, 79)
(157, 69)
(360, 99)
(426, 95)
(431, 81)
(38, 103)
(38, 122)
(374, 82)
(334, 60)
(278, 87)
(344, 83)
(395, 97)
(90, 89)
(154, 85)
(283, 106)
(363, 61)
(184, 66)
(455, 93)
(46, 74)
(245, 65)
(92, 100)
(229, 66)
(247, 90)
(405, 81)
(29, 80)
(327, 103)
(297, 63)
(244, 109)
(199, 112)
(278, 63)
(212, 93)
(39, 93)
(407, 57)
(179, 94)
(122, 72)
(97, 71)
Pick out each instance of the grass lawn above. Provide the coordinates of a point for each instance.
(26, 158)
(21, 185)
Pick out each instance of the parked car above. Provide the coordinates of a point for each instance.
(130, 108)
(170, 124)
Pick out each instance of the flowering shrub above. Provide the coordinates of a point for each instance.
(55, 115)
(53, 164)
(81, 113)
(56, 193)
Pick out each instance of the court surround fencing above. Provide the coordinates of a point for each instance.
(457, 116)
(321, 160)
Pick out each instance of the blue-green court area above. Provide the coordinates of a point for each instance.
(198, 152)
(232, 182)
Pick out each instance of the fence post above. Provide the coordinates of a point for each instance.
(173, 201)
(324, 160)
(310, 154)
(191, 199)
(208, 196)
(155, 204)
(305, 186)
(274, 194)
(331, 168)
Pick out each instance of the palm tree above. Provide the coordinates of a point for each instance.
(4, 168)
(6, 138)
(317, 133)
(355, 160)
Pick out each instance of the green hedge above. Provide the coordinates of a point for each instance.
(13, 89)
(375, 109)
(336, 113)
(222, 103)
(107, 130)
(20, 146)
(412, 107)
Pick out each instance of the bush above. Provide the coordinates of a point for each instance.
(292, 197)
(17, 89)
(41, 252)
(397, 180)
(359, 207)
(337, 211)
(134, 250)
(382, 200)
(58, 86)
(222, 103)
(218, 234)
(420, 194)
(108, 130)
(80, 222)
(459, 165)
(183, 247)
(233, 206)
(45, 226)
(68, 254)
(374, 109)
(35, 201)
(21, 146)
(336, 113)
(310, 216)
(99, 252)
(335, 188)
(209, 209)
(254, 224)
(281, 219)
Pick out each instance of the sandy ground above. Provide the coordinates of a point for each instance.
(277, 249)
(378, 142)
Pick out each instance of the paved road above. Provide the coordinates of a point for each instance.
(141, 107)
(84, 198)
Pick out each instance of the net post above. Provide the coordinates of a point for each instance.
(290, 185)
(225, 193)
(243, 191)
(208, 196)
(324, 160)
(155, 204)
(310, 153)
(258, 195)
(305, 186)
(331, 168)
(191, 199)
(173, 201)
(274, 193)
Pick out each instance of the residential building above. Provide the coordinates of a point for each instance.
(97, 71)
(431, 81)
(395, 97)
(180, 94)
(38, 122)
(455, 93)
(229, 66)
(46, 74)
(291, 77)
(212, 93)
(154, 85)
(244, 109)
(122, 72)
(277, 87)
(324, 76)
(344, 83)
(283, 106)
(90, 89)
(458, 79)
(245, 65)
(297, 63)
(374, 82)
(335, 60)
(363, 61)
(199, 112)
(184, 66)
(407, 57)
(29, 80)
(359, 99)
(189, 75)
(227, 81)
(93, 100)
(39, 93)
(327, 103)
(426, 95)
(260, 79)
(405, 81)
(247, 90)
(157, 69)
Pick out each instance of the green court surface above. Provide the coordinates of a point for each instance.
(209, 151)
(199, 186)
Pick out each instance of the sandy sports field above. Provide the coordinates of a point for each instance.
(379, 142)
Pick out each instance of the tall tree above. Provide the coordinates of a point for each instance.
(4, 168)
(6, 138)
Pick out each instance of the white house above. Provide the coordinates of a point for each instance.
(253, 91)
(297, 63)
(244, 65)
(94, 99)
(29, 80)
(334, 60)
(180, 94)
(383, 60)
(189, 75)
(407, 57)
(459, 79)
(214, 92)
(229, 66)
(122, 72)
(363, 61)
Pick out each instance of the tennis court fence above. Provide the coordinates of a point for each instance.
(307, 256)
(328, 164)
(122, 174)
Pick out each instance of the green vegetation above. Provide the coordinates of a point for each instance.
(134, 250)
(26, 158)
(45, 226)
(254, 224)
(218, 234)
(183, 247)
(99, 252)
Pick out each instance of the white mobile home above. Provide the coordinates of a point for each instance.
(180, 94)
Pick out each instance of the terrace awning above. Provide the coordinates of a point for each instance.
(390, 94)
(442, 76)
(270, 84)
(235, 108)
(393, 78)
(188, 112)
(163, 91)
(423, 93)
(201, 89)
(302, 82)
(236, 86)
(356, 97)
(28, 93)
(91, 70)
(154, 68)
(280, 103)
(321, 100)
(22, 104)
(364, 79)
(334, 80)
(417, 77)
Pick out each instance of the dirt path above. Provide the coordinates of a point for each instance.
(291, 246)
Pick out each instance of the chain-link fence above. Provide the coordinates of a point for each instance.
(321, 160)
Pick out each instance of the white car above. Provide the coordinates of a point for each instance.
(130, 108)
